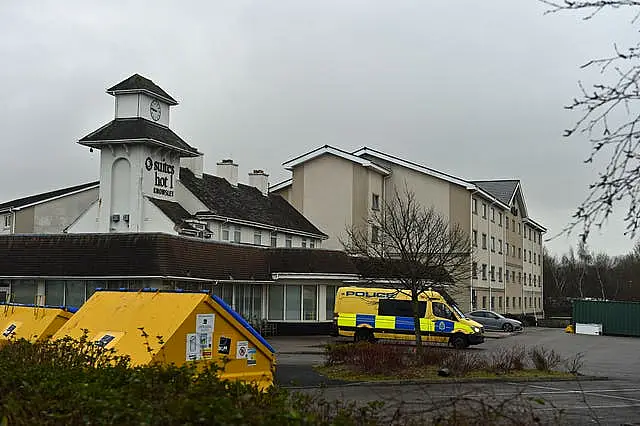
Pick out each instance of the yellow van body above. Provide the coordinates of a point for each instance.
(381, 313)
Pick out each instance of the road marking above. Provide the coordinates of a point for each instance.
(590, 407)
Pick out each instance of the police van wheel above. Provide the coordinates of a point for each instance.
(363, 335)
(458, 342)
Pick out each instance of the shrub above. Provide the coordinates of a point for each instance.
(544, 359)
(505, 360)
(74, 382)
(575, 363)
(367, 357)
(461, 363)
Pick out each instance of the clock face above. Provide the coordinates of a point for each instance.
(154, 109)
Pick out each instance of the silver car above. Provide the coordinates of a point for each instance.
(494, 321)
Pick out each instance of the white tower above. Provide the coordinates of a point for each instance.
(139, 154)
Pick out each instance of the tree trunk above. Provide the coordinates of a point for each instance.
(416, 321)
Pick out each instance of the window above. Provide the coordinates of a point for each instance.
(484, 302)
(539, 280)
(535, 237)
(530, 301)
(493, 214)
(288, 241)
(513, 251)
(529, 256)
(484, 271)
(499, 302)
(519, 253)
(331, 301)
(274, 238)
(525, 302)
(519, 277)
(224, 232)
(500, 273)
(519, 229)
(237, 234)
(535, 281)
(375, 202)
(474, 206)
(74, 293)
(400, 308)
(474, 235)
(529, 233)
(529, 279)
(442, 311)
(539, 303)
(506, 302)
(54, 293)
(474, 270)
(506, 275)
(493, 303)
(535, 258)
(500, 246)
(375, 234)
(539, 260)
(484, 210)
(7, 220)
(499, 218)
(257, 237)
(309, 303)
(304, 242)
(513, 225)
(493, 273)
(513, 279)
(276, 302)
(514, 302)
(493, 244)
(525, 278)
(474, 300)
(520, 302)
(506, 245)
(484, 241)
(292, 302)
(312, 243)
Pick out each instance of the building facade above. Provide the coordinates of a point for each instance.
(337, 189)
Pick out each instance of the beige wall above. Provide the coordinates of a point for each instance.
(54, 216)
(24, 221)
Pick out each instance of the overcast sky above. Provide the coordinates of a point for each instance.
(472, 88)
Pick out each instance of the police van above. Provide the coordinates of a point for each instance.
(381, 313)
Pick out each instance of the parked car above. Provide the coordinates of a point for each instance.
(494, 321)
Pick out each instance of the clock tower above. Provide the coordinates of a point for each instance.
(139, 155)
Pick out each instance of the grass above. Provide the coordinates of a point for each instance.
(430, 373)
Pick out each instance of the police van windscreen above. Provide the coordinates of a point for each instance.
(400, 308)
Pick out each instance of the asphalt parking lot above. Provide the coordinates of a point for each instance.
(614, 398)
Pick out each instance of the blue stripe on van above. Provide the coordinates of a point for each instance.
(366, 319)
(405, 323)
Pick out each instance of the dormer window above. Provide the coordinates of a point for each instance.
(7, 220)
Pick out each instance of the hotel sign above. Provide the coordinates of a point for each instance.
(160, 178)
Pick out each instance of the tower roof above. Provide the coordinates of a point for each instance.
(136, 130)
(139, 84)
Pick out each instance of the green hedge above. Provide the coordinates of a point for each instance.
(75, 382)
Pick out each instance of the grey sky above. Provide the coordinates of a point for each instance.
(472, 88)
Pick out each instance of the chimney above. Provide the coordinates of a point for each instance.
(229, 170)
(195, 164)
(260, 180)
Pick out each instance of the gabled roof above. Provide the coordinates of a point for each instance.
(327, 149)
(132, 130)
(139, 84)
(502, 190)
(245, 203)
(45, 196)
(362, 152)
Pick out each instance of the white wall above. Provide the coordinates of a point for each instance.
(156, 221)
(127, 105)
(55, 215)
(145, 103)
(87, 222)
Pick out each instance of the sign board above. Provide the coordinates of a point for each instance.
(159, 176)
(242, 349)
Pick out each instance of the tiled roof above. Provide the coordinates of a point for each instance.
(138, 83)
(302, 260)
(155, 255)
(171, 209)
(132, 129)
(21, 202)
(246, 203)
(502, 190)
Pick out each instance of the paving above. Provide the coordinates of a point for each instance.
(614, 400)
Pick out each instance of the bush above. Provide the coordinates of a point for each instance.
(505, 360)
(461, 363)
(368, 357)
(74, 382)
(544, 359)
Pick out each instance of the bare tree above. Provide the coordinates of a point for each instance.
(610, 117)
(410, 248)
